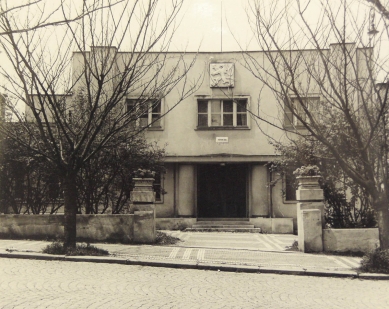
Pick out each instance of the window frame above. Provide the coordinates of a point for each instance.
(290, 120)
(150, 112)
(285, 184)
(222, 113)
(160, 184)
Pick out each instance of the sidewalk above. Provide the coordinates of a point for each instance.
(245, 252)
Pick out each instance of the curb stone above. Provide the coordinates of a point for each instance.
(373, 276)
(196, 265)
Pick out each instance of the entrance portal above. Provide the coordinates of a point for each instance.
(221, 191)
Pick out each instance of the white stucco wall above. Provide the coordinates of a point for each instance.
(354, 240)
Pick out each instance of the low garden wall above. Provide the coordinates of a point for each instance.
(174, 223)
(350, 240)
(268, 225)
(89, 227)
(274, 225)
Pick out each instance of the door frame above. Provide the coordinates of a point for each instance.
(247, 169)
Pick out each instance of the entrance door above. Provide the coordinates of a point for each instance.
(221, 191)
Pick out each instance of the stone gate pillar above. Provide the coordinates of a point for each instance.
(310, 214)
(143, 199)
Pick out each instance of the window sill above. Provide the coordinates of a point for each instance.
(290, 202)
(296, 128)
(221, 128)
(154, 129)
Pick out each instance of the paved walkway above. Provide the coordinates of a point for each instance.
(251, 241)
(227, 251)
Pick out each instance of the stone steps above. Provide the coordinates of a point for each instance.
(224, 225)
(231, 226)
(210, 223)
(223, 219)
(224, 229)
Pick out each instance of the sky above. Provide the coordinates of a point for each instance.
(204, 25)
(211, 25)
(216, 25)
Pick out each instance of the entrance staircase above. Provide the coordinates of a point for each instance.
(223, 225)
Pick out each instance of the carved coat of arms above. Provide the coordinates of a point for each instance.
(221, 74)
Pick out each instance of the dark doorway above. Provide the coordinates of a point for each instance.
(221, 190)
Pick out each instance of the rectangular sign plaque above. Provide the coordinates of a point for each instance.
(222, 140)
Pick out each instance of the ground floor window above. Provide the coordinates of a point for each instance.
(158, 187)
(290, 185)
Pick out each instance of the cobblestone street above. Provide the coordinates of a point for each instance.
(53, 284)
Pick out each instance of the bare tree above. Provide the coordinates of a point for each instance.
(94, 112)
(46, 13)
(326, 87)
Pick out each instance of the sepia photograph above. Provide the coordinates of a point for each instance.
(194, 154)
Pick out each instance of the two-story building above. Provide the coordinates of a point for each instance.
(217, 144)
(217, 150)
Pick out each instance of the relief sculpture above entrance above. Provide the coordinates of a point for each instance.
(221, 75)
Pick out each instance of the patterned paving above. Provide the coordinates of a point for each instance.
(254, 241)
(259, 250)
(242, 257)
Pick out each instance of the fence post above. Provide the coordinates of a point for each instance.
(310, 214)
(143, 199)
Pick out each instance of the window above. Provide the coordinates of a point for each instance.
(290, 119)
(222, 113)
(147, 112)
(290, 185)
(157, 186)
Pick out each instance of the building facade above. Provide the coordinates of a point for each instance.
(217, 142)
(217, 150)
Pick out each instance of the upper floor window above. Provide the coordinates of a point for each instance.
(311, 104)
(222, 113)
(147, 112)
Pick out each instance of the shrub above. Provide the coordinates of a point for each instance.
(376, 261)
(55, 247)
(309, 170)
(143, 173)
(164, 239)
(347, 205)
(81, 249)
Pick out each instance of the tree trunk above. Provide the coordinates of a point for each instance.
(383, 226)
(382, 212)
(70, 197)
